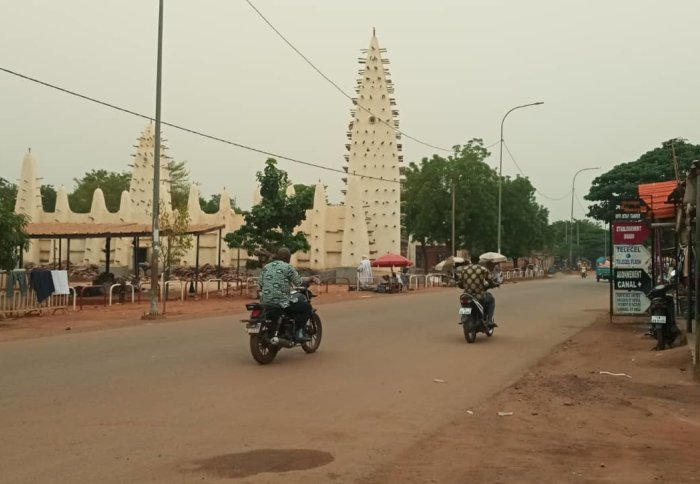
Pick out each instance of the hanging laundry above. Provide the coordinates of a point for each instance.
(42, 283)
(16, 277)
(60, 282)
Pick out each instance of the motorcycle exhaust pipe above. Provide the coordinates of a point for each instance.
(281, 342)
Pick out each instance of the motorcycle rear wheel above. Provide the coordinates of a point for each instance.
(660, 338)
(469, 331)
(315, 333)
(263, 352)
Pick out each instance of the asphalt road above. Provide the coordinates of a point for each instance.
(183, 401)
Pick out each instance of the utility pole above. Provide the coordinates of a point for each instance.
(696, 328)
(453, 219)
(156, 172)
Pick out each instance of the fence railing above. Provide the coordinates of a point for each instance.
(19, 304)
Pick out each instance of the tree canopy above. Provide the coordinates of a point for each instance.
(271, 223)
(8, 195)
(176, 242)
(212, 204)
(427, 204)
(179, 184)
(525, 222)
(305, 193)
(653, 166)
(589, 240)
(13, 236)
(48, 198)
(114, 183)
(111, 183)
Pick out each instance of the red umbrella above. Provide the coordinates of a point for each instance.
(392, 260)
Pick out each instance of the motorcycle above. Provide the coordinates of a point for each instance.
(271, 330)
(662, 316)
(472, 315)
(584, 273)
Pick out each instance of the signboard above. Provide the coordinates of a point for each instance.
(631, 210)
(632, 279)
(630, 232)
(630, 302)
(631, 257)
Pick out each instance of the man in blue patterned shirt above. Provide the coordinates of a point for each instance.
(276, 280)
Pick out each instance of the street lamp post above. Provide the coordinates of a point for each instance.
(500, 169)
(571, 222)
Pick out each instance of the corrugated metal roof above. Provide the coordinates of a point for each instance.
(656, 195)
(55, 230)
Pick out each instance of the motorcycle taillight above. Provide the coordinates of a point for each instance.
(465, 300)
(256, 313)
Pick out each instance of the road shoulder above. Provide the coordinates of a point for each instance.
(565, 421)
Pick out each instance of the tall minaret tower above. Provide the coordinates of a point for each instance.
(141, 189)
(373, 151)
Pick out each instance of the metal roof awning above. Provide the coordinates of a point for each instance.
(56, 230)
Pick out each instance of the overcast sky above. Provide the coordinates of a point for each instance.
(618, 77)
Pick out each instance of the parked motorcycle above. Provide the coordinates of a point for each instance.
(271, 330)
(472, 315)
(662, 316)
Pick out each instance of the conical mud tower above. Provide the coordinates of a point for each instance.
(374, 147)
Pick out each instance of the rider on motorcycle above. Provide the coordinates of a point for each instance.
(276, 280)
(475, 279)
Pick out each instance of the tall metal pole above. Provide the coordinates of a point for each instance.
(605, 241)
(500, 170)
(695, 254)
(453, 219)
(571, 222)
(156, 171)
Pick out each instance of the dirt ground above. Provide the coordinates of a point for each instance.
(570, 423)
(99, 316)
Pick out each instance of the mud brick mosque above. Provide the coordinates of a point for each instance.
(367, 222)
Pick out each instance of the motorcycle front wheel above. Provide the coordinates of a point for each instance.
(261, 349)
(314, 330)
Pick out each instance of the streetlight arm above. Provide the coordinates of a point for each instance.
(500, 169)
(571, 222)
(513, 109)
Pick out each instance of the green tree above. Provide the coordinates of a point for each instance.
(176, 242)
(111, 183)
(653, 166)
(427, 199)
(589, 239)
(305, 193)
(13, 237)
(48, 198)
(114, 183)
(8, 194)
(212, 204)
(271, 223)
(476, 198)
(525, 222)
(426, 203)
(179, 184)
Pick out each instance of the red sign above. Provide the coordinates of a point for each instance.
(631, 233)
